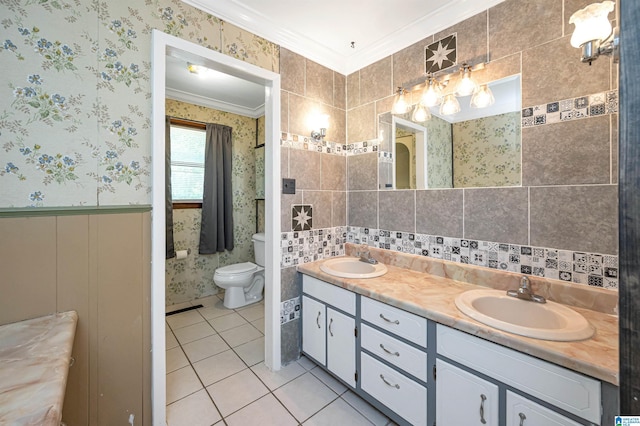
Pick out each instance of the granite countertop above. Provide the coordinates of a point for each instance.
(433, 297)
(34, 364)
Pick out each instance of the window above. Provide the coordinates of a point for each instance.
(187, 163)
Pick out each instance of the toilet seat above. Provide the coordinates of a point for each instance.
(237, 269)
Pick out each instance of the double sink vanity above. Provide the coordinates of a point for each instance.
(414, 337)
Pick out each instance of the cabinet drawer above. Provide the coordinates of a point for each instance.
(396, 391)
(408, 358)
(394, 320)
(521, 411)
(573, 392)
(330, 294)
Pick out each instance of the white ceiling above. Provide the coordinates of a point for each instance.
(323, 30)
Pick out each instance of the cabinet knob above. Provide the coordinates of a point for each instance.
(522, 418)
(483, 398)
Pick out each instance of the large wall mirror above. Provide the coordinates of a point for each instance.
(476, 147)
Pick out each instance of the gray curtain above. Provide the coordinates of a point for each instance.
(171, 252)
(216, 233)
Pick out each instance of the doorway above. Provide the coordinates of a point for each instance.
(166, 45)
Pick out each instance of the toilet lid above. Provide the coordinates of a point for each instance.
(238, 268)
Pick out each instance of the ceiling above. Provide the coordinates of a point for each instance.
(323, 30)
(318, 30)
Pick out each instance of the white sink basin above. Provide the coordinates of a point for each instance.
(547, 321)
(352, 267)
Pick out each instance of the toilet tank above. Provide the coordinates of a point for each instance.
(258, 248)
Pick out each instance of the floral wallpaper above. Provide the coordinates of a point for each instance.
(193, 277)
(75, 98)
(439, 152)
(486, 151)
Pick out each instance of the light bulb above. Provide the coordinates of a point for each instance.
(483, 97)
(450, 105)
(466, 86)
(420, 114)
(400, 105)
(432, 94)
(592, 23)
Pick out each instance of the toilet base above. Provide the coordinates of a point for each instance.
(235, 297)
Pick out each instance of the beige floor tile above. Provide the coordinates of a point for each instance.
(305, 396)
(215, 310)
(366, 409)
(170, 339)
(181, 383)
(175, 359)
(204, 348)
(265, 411)
(259, 324)
(194, 332)
(275, 379)
(194, 410)
(227, 322)
(252, 313)
(218, 367)
(184, 319)
(240, 335)
(237, 391)
(329, 380)
(338, 413)
(252, 352)
(206, 301)
(306, 363)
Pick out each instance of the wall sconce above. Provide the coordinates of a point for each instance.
(198, 69)
(482, 97)
(420, 113)
(322, 123)
(432, 93)
(450, 105)
(593, 33)
(400, 104)
(467, 85)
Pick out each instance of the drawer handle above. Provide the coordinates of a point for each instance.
(388, 320)
(318, 319)
(388, 351)
(522, 418)
(397, 386)
(72, 361)
(483, 398)
(330, 322)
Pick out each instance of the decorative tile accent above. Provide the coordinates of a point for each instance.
(441, 54)
(571, 109)
(290, 310)
(290, 140)
(301, 217)
(308, 246)
(583, 268)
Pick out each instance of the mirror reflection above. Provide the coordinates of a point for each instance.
(476, 147)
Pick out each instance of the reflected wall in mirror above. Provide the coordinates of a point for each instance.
(477, 147)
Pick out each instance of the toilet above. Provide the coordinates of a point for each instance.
(243, 282)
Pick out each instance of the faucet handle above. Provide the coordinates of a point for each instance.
(525, 283)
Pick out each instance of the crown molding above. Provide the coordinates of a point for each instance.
(194, 99)
(266, 27)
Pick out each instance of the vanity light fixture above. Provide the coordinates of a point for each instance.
(482, 97)
(420, 114)
(197, 69)
(400, 104)
(432, 93)
(593, 33)
(450, 105)
(467, 85)
(322, 123)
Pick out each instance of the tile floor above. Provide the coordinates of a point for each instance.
(216, 376)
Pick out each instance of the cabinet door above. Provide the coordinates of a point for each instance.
(463, 398)
(314, 323)
(522, 412)
(341, 346)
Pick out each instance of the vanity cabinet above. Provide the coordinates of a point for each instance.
(328, 335)
(523, 412)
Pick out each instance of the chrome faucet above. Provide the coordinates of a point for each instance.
(365, 256)
(524, 292)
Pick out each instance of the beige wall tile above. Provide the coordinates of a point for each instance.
(319, 83)
(439, 212)
(337, 126)
(322, 204)
(362, 208)
(567, 153)
(286, 201)
(376, 80)
(28, 265)
(304, 167)
(353, 90)
(582, 218)
(362, 171)
(384, 105)
(292, 72)
(300, 111)
(409, 63)
(339, 208)
(397, 210)
(497, 214)
(284, 162)
(339, 91)
(554, 72)
(333, 172)
(516, 25)
(471, 43)
(362, 123)
(284, 111)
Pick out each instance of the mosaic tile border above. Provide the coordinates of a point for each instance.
(290, 140)
(592, 269)
(290, 310)
(299, 247)
(604, 103)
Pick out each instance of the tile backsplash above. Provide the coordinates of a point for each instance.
(604, 103)
(290, 140)
(308, 246)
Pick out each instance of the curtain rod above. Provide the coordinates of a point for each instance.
(187, 119)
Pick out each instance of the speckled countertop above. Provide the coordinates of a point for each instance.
(34, 364)
(432, 296)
